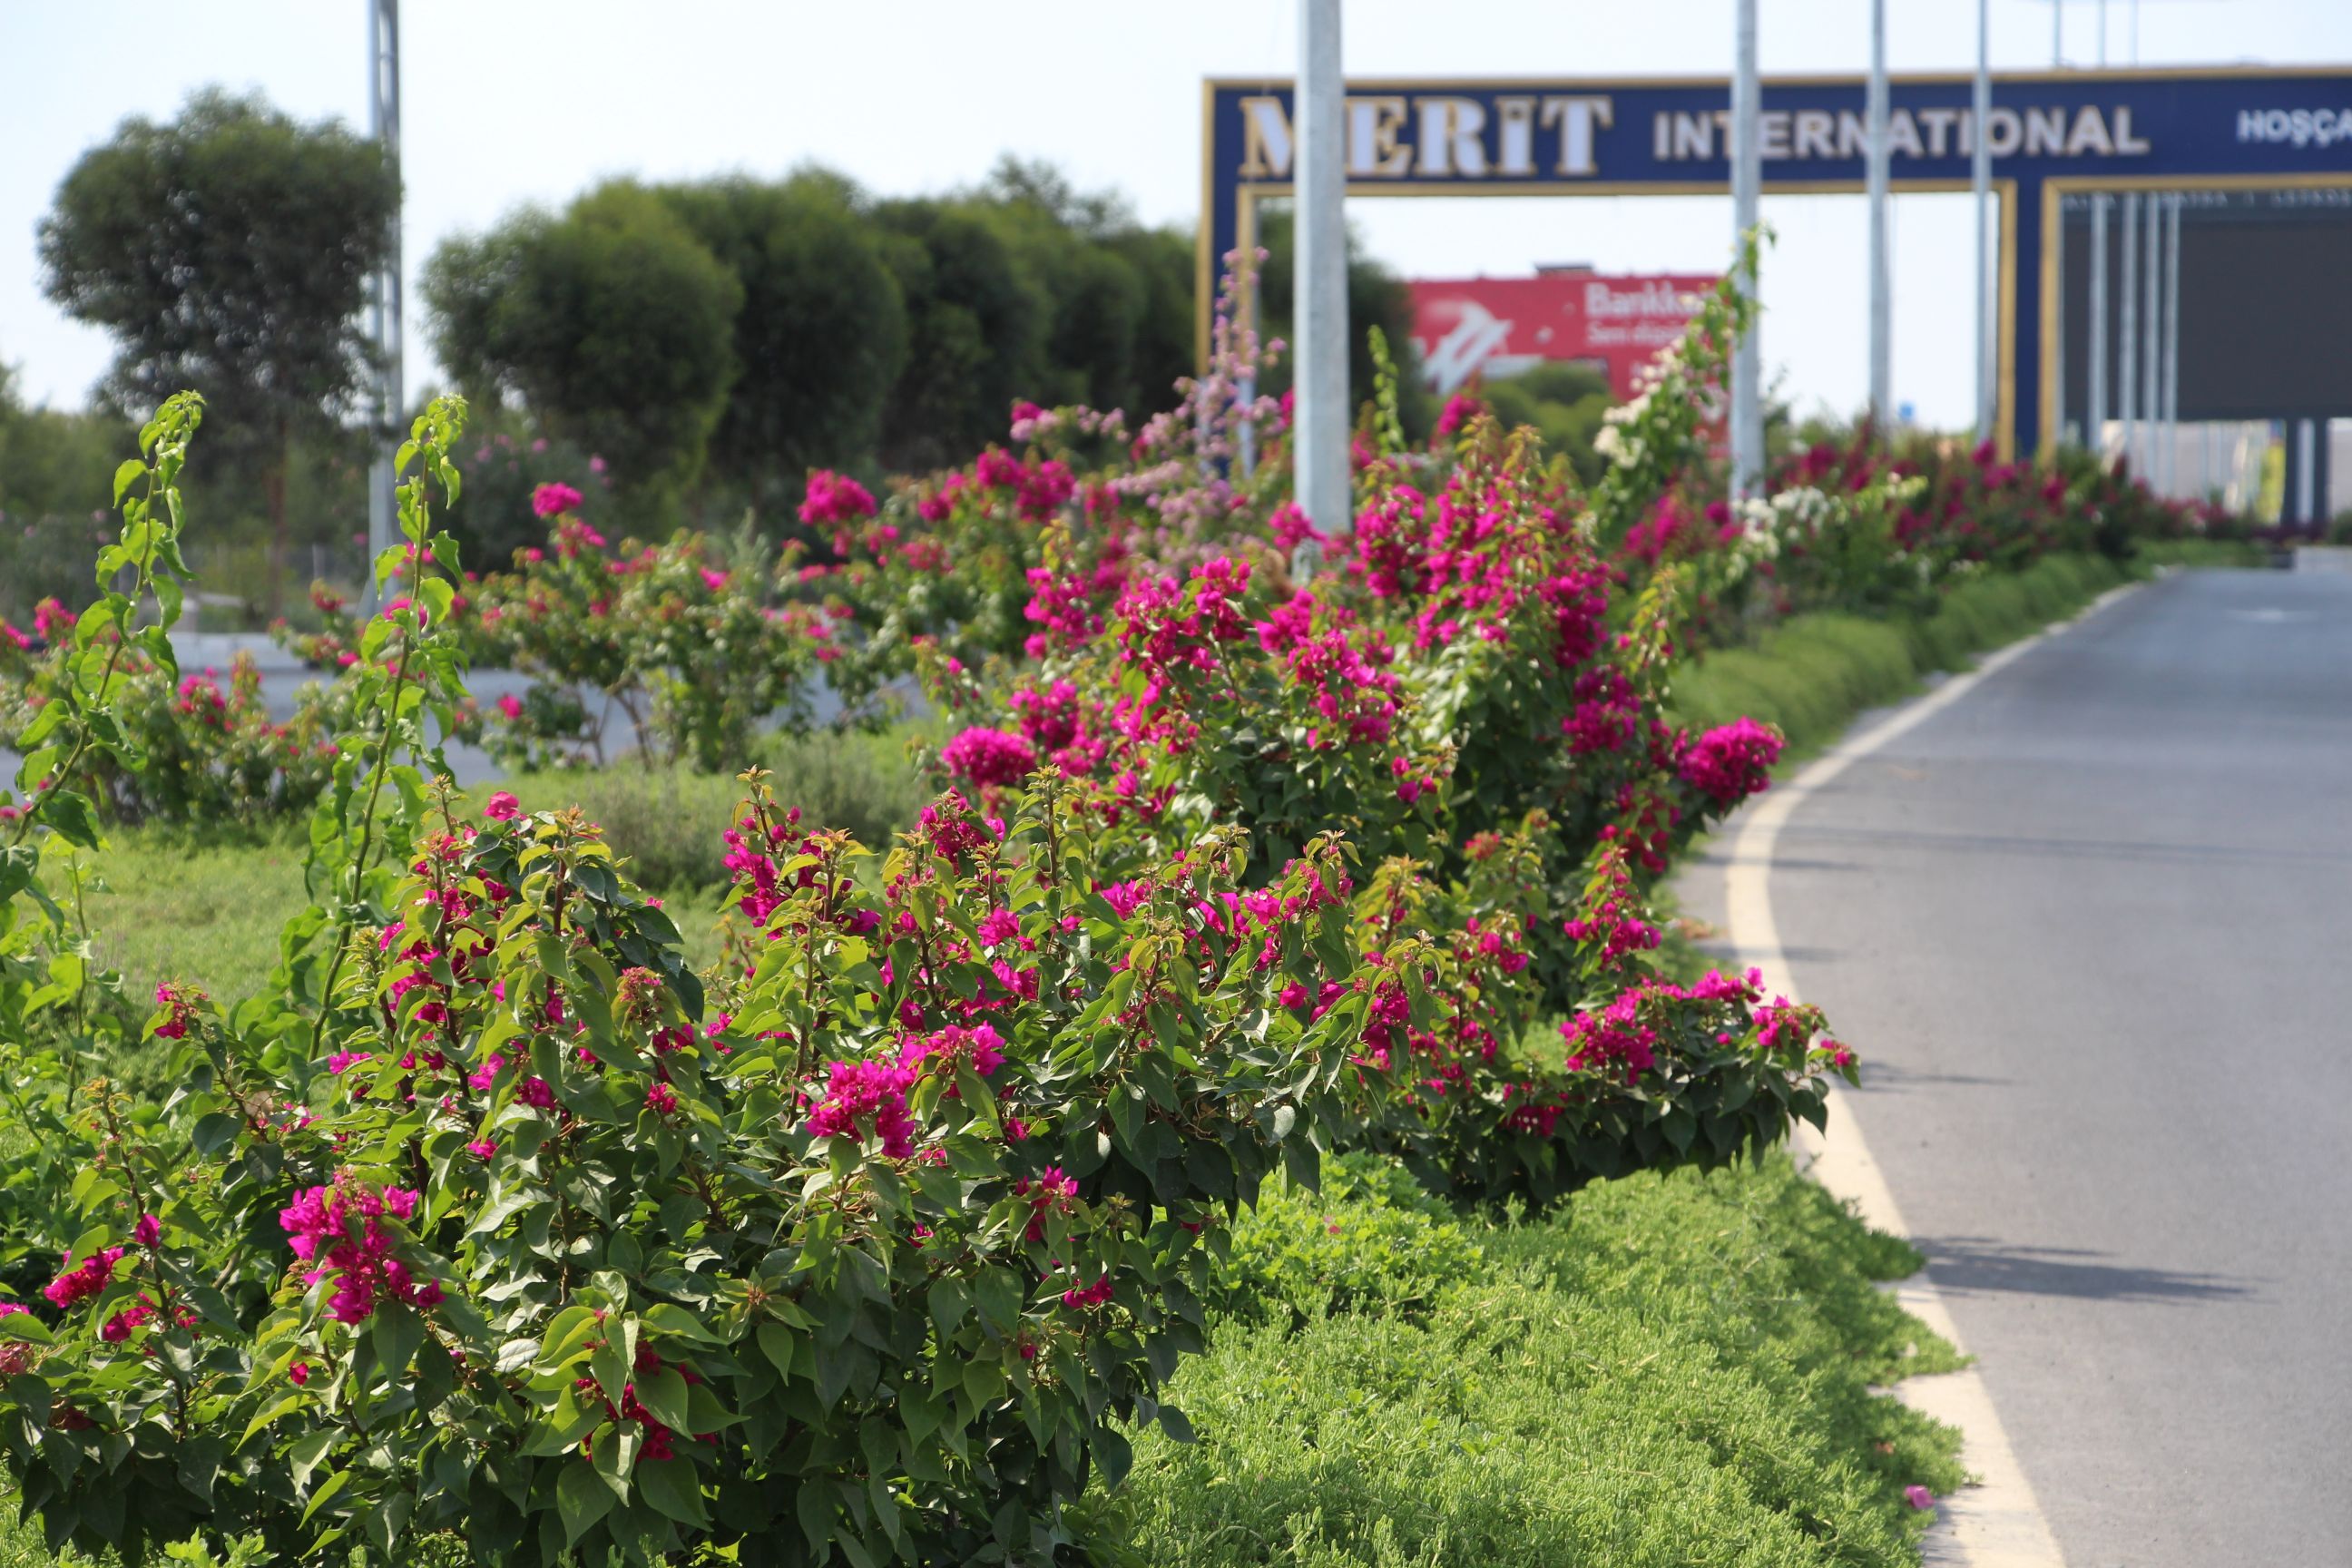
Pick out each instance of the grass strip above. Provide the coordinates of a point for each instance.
(1681, 1370)
(1811, 674)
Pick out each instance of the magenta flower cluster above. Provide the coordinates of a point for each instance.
(1730, 763)
(866, 1100)
(987, 757)
(340, 1230)
(553, 499)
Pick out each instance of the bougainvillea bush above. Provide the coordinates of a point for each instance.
(489, 1217)
(697, 646)
(193, 745)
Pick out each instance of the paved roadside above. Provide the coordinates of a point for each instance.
(2086, 926)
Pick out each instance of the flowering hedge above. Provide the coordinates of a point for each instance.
(192, 745)
(490, 1217)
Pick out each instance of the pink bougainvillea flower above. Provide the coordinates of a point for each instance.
(503, 807)
(553, 499)
(1919, 1497)
(989, 757)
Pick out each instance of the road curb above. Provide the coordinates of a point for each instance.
(1996, 1522)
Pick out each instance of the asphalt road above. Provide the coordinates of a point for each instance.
(2090, 929)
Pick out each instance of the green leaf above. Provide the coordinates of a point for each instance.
(663, 1393)
(671, 1319)
(72, 816)
(334, 1484)
(126, 474)
(673, 1487)
(306, 1453)
(781, 1346)
(215, 1131)
(582, 1498)
(562, 1428)
(998, 1295)
(566, 1333)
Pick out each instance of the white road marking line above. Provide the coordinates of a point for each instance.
(1996, 1523)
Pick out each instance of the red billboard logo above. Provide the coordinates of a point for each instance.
(1497, 327)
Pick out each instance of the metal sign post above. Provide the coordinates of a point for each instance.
(1321, 287)
(383, 119)
(1882, 348)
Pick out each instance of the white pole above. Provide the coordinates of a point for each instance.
(1882, 348)
(2057, 34)
(2151, 332)
(2103, 35)
(390, 400)
(1321, 281)
(2096, 415)
(1980, 180)
(2171, 389)
(1747, 176)
(2128, 333)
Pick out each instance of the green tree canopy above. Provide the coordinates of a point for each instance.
(821, 337)
(613, 324)
(975, 334)
(228, 250)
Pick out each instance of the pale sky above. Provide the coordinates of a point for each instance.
(507, 101)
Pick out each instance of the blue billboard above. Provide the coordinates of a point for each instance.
(2049, 133)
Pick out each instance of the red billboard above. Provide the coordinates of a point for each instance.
(1497, 327)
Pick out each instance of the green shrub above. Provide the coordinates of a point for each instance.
(1371, 1240)
(1811, 674)
(666, 822)
(1680, 1375)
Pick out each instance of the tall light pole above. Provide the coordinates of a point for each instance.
(2152, 340)
(1320, 278)
(383, 120)
(2127, 332)
(2057, 34)
(2170, 390)
(1746, 179)
(1981, 181)
(2095, 433)
(1882, 349)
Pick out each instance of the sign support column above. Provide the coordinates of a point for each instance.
(1320, 280)
(383, 117)
(2128, 333)
(2095, 415)
(1981, 183)
(1746, 182)
(1881, 352)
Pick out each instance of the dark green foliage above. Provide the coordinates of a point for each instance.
(229, 250)
(821, 337)
(665, 823)
(612, 323)
(1564, 403)
(504, 460)
(1116, 298)
(974, 331)
(1680, 1374)
(53, 500)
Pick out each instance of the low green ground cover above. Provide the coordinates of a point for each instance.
(1678, 1371)
(1811, 674)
